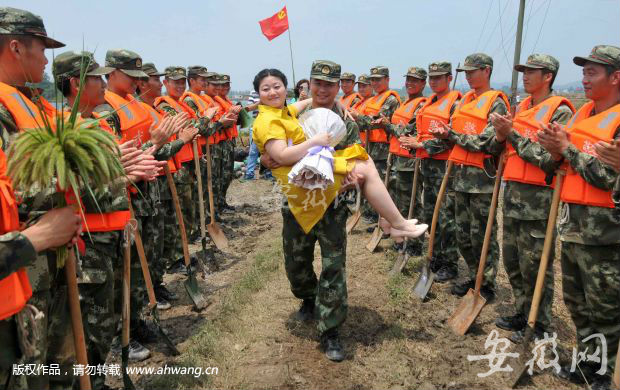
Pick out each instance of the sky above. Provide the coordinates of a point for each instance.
(225, 36)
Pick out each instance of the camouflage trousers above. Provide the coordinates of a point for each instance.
(400, 187)
(173, 245)
(367, 211)
(591, 285)
(444, 247)
(522, 248)
(153, 241)
(472, 211)
(330, 290)
(228, 168)
(216, 177)
(187, 189)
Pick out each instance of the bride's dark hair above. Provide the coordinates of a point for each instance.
(266, 73)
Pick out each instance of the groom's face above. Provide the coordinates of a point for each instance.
(323, 92)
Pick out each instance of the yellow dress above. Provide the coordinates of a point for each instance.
(308, 206)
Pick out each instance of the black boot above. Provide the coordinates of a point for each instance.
(330, 342)
(306, 311)
(518, 335)
(511, 323)
(445, 273)
(462, 288)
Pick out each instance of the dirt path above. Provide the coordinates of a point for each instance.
(392, 340)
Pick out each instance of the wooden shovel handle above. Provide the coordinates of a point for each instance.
(386, 179)
(210, 184)
(76, 317)
(414, 187)
(177, 210)
(143, 262)
(126, 299)
(440, 196)
(549, 241)
(201, 201)
(489, 228)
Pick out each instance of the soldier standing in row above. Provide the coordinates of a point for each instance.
(349, 97)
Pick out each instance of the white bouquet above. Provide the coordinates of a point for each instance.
(315, 170)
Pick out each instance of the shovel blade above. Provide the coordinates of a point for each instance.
(399, 264)
(218, 236)
(525, 353)
(191, 286)
(424, 283)
(352, 222)
(208, 258)
(374, 240)
(162, 334)
(467, 311)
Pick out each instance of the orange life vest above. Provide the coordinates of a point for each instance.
(402, 116)
(226, 104)
(156, 119)
(202, 105)
(372, 108)
(525, 122)
(25, 112)
(585, 131)
(347, 101)
(135, 119)
(471, 118)
(15, 289)
(186, 153)
(431, 116)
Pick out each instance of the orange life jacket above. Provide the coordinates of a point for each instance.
(525, 122)
(372, 108)
(361, 108)
(202, 105)
(156, 119)
(347, 101)
(15, 289)
(135, 119)
(186, 153)
(226, 104)
(402, 116)
(431, 116)
(471, 117)
(25, 112)
(585, 131)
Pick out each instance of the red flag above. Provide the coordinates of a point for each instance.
(275, 25)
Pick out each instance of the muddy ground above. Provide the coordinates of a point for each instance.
(392, 340)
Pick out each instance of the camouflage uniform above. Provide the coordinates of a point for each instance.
(525, 213)
(473, 188)
(350, 76)
(591, 244)
(330, 290)
(432, 171)
(378, 151)
(42, 271)
(228, 155)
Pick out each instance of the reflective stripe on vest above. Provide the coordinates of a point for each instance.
(348, 100)
(471, 118)
(585, 131)
(431, 116)
(25, 112)
(402, 116)
(525, 123)
(372, 108)
(135, 119)
(15, 289)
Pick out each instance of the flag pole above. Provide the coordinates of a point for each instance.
(290, 46)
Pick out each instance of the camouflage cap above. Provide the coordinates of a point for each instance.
(197, 70)
(601, 54)
(223, 79)
(213, 77)
(363, 79)
(539, 61)
(476, 61)
(416, 72)
(347, 76)
(150, 69)
(325, 70)
(19, 22)
(439, 68)
(126, 61)
(175, 73)
(379, 71)
(69, 64)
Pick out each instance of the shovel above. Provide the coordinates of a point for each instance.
(191, 284)
(403, 255)
(377, 233)
(355, 218)
(472, 303)
(216, 233)
(76, 318)
(526, 345)
(127, 383)
(201, 207)
(425, 280)
(149, 288)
